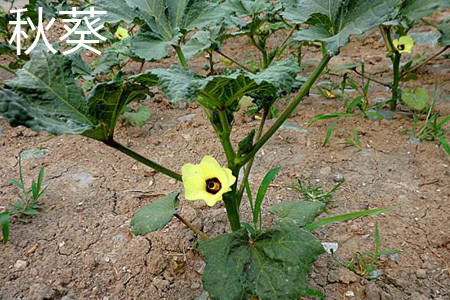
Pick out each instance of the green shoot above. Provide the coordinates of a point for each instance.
(28, 202)
(316, 193)
(366, 263)
(352, 140)
(329, 133)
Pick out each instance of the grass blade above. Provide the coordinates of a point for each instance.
(444, 144)
(4, 220)
(262, 192)
(329, 133)
(329, 116)
(345, 217)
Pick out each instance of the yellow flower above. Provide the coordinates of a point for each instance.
(121, 33)
(404, 44)
(207, 181)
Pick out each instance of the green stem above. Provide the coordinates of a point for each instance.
(425, 61)
(395, 58)
(224, 137)
(287, 112)
(181, 57)
(252, 160)
(232, 208)
(229, 198)
(142, 159)
(211, 63)
(234, 61)
(262, 49)
(397, 78)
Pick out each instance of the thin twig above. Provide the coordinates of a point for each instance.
(371, 79)
(234, 61)
(425, 62)
(288, 37)
(191, 227)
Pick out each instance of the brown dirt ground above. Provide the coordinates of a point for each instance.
(84, 248)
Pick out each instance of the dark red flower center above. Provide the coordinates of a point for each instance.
(213, 186)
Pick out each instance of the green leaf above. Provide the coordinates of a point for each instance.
(105, 63)
(140, 117)
(118, 10)
(346, 217)
(273, 266)
(270, 176)
(106, 103)
(329, 133)
(198, 43)
(178, 84)
(156, 215)
(334, 21)
(298, 213)
(247, 7)
(45, 96)
(181, 85)
(417, 99)
(147, 46)
(414, 10)
(4, 221)
(166, 22)
(16, 183)
(444, 29)
(246, 145)
(444, 144)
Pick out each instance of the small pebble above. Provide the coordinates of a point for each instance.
(20, 264)
(421, 274)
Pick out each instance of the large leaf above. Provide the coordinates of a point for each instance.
(416, 99)
(247, 7)
(179, 84)
(167, 20)
(444, 28)
(298, 213)
(201, 41)
(107, 102)
(156, 215)
(45, 96)
(273, 266)
(334, 21)
(118, 10)
(414, 10)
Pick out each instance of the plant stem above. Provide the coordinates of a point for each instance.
(287, 112)
(191, 227)
(425, 62)
(181, 57)
(395, 56)
(232, 208)
(288, 36)
(211, 63)
(224, 137)
(371, 79)
(230, 197)
(141, 159)
(252, 160)
(397, 77)
(234, 61)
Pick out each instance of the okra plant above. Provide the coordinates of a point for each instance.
(253, 260)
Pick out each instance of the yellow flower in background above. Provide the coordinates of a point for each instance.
(404, 44)
(207, 181)
(121, 33)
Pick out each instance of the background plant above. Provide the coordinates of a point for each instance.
(28, 202)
